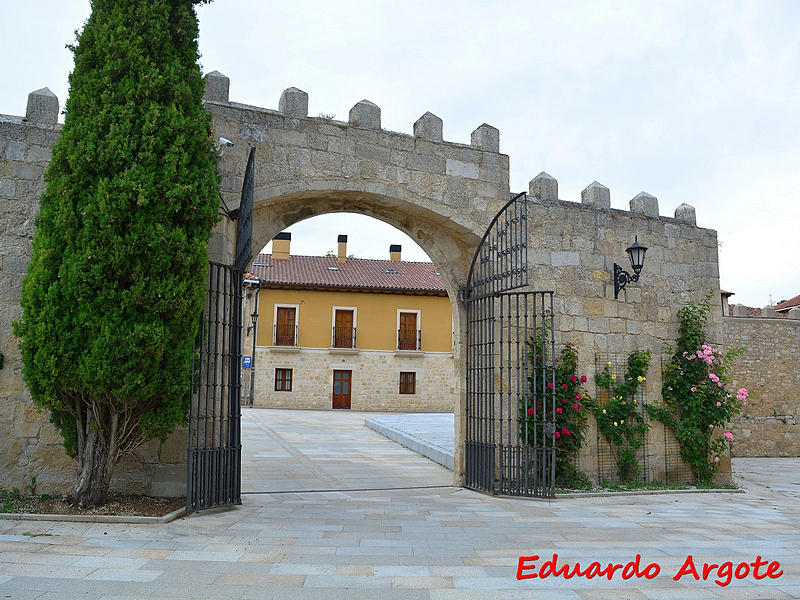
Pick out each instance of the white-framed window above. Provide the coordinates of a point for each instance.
(409, 329)
(285, 321)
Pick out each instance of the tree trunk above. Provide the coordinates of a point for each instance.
(97, 453)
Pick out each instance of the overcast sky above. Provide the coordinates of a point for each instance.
(691, 102)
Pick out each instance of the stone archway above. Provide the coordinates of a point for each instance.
(440, 193)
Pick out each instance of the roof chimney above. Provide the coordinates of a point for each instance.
(280, 245)
(394, 252)
(342, 248)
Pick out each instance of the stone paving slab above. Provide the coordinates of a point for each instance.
(429, 434)
(424, 540)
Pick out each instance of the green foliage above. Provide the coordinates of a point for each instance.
(11, 501)
(696, 405)
(619, 418)
(116, 281)
(561, 391)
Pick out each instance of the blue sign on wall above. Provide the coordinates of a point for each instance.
(247, 362)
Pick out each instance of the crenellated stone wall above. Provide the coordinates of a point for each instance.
(442, 194)
(770, 369)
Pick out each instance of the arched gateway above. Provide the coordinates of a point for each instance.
(443, 195)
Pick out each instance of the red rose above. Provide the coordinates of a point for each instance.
(577, 396)
(559, 410)
(576, 406)
(558, 435)
(564, 385)
(530, 410)
(549, 385)
(573, 379)
(583, 378)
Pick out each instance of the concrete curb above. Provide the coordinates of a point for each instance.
(133, 520)
(436, 453)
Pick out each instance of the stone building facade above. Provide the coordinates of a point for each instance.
(442, 194)
(383, 329)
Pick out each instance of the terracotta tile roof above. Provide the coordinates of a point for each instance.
(787, 304)
(355, 273)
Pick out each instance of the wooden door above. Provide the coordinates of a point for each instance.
(285, 327)
(343, 329)
(341, 389)
(407, 336)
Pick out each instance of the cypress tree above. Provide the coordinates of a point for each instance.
(112, 297)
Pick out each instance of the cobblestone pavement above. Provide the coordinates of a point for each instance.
(421, 540)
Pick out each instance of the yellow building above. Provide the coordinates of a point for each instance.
(338, 332)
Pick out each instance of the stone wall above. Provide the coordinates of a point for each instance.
(30, 447)
(442, 194)
(573, 247)
(375, 378)
(769, 369)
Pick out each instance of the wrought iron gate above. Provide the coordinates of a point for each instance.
(510, 364)
(215, 448)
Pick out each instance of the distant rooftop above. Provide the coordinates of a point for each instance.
(361, 274)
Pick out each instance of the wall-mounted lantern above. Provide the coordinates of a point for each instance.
(621, 277)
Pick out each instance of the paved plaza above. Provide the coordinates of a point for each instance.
(334, 510)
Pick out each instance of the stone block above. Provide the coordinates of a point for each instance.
(458, 168)
(543, 187)
(644, 204)
(366, 115)
(597, 195)
(8, 188)
(294, 102)
(42, 108)
(39, 154)
(768, 312)
(217, 87)
(563, 259)
(16, 150)
(794, 313)
(428, 127)
(685, 213)
(486, 137)
(740, 310)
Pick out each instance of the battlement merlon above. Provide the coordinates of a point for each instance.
(544, 188)
(363, 115)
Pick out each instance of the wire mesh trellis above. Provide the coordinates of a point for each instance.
(607, 464)
(675, 469)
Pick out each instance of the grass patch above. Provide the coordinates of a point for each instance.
(11, 501)
(641, 486)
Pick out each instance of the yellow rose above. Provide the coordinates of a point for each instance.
(613, 377)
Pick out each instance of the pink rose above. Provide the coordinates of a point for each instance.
(583, 378)
(564, 386)
(577, 396)
(563, 401)
(711, 426)
(741, 394)
(573, 379)
(549, 385)
(559, 410)
(728, 435)
(694, 389)
(719, 404)
(576, 406)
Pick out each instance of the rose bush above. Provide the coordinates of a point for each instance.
(696, 405)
